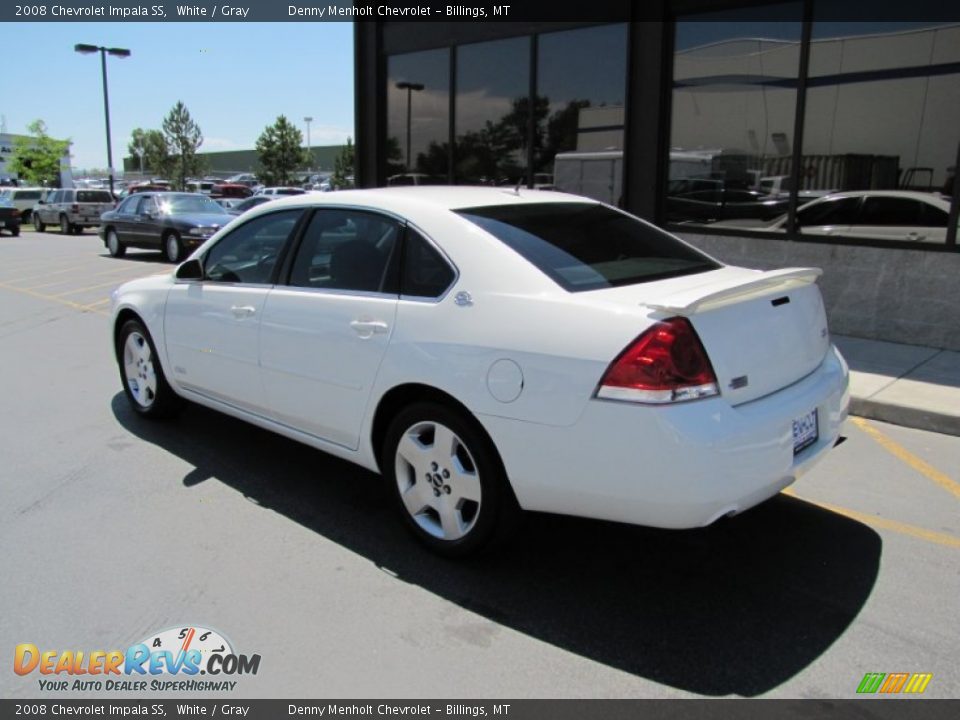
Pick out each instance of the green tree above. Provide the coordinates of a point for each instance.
(36, 159)
(281, 152)
(137, 146)
(156, 154)
(343, 167)
(183, 138)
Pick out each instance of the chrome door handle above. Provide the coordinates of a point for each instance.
(242, 311)
(366, 328)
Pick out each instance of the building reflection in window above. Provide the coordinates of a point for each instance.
(882, 124)
(581, 85)
(492, 111)
(732, 116)
(418, 89)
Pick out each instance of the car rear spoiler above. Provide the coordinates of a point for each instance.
(694, 300)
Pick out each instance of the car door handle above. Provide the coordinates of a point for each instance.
(916, 236)
(366, 328)
(242, 311)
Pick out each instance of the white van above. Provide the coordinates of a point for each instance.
(23, 199)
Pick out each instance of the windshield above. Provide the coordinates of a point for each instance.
(182, 204)
(584, 246)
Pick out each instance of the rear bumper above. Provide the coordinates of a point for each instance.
(681, 466)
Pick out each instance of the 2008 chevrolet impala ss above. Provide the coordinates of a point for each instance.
(488, 350)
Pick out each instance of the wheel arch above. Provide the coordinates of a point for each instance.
(401, 396)
(122, 317)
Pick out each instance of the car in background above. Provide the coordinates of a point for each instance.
(200, 186)
(280, 191)
(231, 190)
(906, 215)
(9, 217)
(73, 209)
(169, 221)
(248, 179)
(492, 350)
(23, 199)
(248, 203)
(722, 203)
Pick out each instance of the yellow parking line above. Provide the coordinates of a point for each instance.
(46, 274)
(883, 523)
(901, 453)
(54, 298)
(112, 283)
(115, 270)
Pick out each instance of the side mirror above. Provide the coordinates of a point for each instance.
(190, 270)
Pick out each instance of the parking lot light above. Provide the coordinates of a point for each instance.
(104, 51)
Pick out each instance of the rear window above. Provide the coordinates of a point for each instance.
(94, 196)
(583, 246)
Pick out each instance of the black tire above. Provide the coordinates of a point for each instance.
(64, 225)
(171, 242)
(162, 401)
(78, 229)
(116, 248)
(486, 522)
(15, 231)
(38, 224)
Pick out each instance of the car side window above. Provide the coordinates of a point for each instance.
(841, 211)
(931, 216)
(425, 273)
(345, 250)
(249, 253)
(147, 205)
(54, 198)
(889, 211)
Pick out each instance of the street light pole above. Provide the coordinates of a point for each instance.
(409, 87)
(116, 52)
(309, 120)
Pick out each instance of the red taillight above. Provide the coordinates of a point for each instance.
(666, 364)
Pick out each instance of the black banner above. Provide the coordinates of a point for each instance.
(874, 709)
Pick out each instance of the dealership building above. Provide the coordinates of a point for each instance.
(735, 128)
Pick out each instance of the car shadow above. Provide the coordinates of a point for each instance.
(737, 608)
(142, 256)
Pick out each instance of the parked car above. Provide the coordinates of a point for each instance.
(23, 199)
(278, 191)
(251, 202)
(200, 186)
(490, 350)
(723, 204)
(231, 190)
(169, 221)
(9, 217)
(71, 209)
(247, 179)
(874, 215)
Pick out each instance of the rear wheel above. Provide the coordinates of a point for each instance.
(143, 380)
(38, 224)
(448, 480)
(172, 247)
(64, 225)
(116, 248)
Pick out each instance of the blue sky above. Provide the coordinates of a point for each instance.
(235, 79)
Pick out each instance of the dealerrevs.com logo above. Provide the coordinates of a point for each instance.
(170, 660)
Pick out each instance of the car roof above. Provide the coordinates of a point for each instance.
(927, 197)
(446, 197)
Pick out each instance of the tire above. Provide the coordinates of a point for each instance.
(143, 380)
(64, 225)
(457, 501)
(78, 229)
(38, 224)
(15, 231)
(116, 248)
(172, 247)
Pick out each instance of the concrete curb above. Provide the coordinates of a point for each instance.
(905, 416)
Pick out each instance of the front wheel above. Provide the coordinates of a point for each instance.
(143, 380)
(116, 248)
(448, 480)
(172, 247)
(38, 224)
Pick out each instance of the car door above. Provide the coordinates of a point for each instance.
(212, 326)
(125, 220)
(47, 210)
(830, 216)
(324, 332)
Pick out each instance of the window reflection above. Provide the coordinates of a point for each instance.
(417, 151)
(581, 84)
(882, 125)
(732, 118)
(492, 112)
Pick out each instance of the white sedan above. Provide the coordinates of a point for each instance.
(489, 350)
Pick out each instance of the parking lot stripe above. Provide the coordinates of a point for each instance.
(112, 271)
(54, 298)
(883, 523)
(112, 283)
(48, 274)
(901, 453)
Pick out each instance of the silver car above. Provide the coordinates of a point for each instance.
(72, 209)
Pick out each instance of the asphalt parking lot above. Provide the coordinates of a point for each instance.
(114, 528)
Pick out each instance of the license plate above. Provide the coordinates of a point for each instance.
(805, 431)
